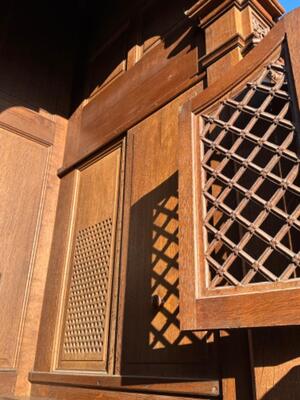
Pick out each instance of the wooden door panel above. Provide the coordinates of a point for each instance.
(84, 328)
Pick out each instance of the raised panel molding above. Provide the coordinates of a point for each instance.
(31, 146)
(26, 140)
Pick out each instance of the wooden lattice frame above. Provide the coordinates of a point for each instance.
(89, 293)
(226, 279)
(258, 168)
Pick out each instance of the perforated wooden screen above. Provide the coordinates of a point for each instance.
(84, 324)
(239, 193)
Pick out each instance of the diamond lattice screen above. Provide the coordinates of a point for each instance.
(88, 294)
(251, 185)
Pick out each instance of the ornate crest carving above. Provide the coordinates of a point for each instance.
(260, 29)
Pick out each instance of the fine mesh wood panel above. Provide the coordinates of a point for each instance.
(251, 186)
(87, 304)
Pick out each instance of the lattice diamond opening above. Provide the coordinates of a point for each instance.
(88, 293)
(251, 185)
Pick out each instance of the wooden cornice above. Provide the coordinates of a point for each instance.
(273, 7)
(209, 10)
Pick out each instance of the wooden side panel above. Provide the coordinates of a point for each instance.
(23, 165)
(31, 146)
(36, 293)
(85, 326)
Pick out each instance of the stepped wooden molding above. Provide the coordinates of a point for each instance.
(236, 41)
(206, 11)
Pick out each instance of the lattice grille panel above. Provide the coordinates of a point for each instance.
(251, 185)
(88, 294)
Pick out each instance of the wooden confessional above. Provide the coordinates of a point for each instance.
(150, 200)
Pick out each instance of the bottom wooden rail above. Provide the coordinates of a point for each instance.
(161, 385)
